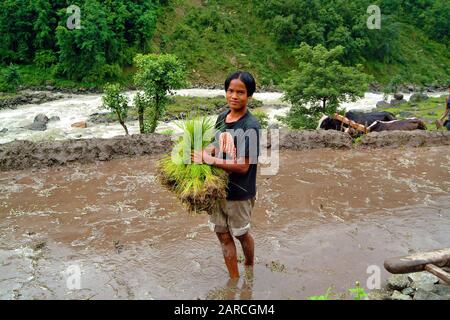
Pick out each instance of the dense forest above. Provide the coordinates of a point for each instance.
(213, 37)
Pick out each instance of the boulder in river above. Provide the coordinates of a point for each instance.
(39, 123)
(4, 130)
(54, 118)
(398, 96)
(41, 118)
(81, 124)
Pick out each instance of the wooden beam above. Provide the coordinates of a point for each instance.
(417, 262)
(351, 123)
(438, 272)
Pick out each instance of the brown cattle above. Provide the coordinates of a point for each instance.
(403, 125)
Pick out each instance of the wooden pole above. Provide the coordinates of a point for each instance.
(351, 123)
(438, 272)
(418, 261)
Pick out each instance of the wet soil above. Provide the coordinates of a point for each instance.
(321, 221)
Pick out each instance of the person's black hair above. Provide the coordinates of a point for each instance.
(246, 78)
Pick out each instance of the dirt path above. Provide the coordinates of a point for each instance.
(321, 221)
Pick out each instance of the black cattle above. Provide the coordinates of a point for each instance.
(368, 118)
(327, 123)
(364, 118)
(403, 125)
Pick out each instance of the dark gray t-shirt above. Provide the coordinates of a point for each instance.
(246, 140)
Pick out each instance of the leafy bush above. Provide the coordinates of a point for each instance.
(11, 78)
(262, 117)
(44, 59)
(114, 100)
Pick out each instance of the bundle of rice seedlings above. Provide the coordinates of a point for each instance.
(200, 187)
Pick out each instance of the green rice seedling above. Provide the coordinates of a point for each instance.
(199, 187)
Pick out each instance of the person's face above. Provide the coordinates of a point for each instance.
(237, 95)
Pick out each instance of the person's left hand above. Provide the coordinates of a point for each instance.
(197, 156)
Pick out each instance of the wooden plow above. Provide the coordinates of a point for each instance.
(352, 124)
(431, 261)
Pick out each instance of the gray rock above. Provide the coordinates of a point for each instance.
(417, 97)
(421, 285)
(395, 102)
(39, 123)
(399, 296)
(398, 281)
(406, 114)
(383, 104)
(398, 96)
(426, 295)
(423, 278)
(54, 118)
(41, 118)
(37, 126)
(378, 295)
(442, 290)
(408, 291)
(4, 130)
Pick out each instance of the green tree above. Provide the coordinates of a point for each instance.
(141, 102)
(158, 76)
(11, 78)
(114, 100)
(319, 84)
(393, 87)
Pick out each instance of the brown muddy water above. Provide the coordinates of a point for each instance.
(320, 222)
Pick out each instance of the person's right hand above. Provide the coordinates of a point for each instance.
(226, 144)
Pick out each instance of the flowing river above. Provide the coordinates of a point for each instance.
(79, 107)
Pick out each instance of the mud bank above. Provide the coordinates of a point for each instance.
(396, 139)
(26, 154)
(20, 155)
(314, 139)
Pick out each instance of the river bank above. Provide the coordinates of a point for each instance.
(20, 155)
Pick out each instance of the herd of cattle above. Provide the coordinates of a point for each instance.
(372, 121)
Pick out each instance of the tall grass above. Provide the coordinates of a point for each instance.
(200, 187)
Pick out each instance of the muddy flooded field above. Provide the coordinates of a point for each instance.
(320, 222)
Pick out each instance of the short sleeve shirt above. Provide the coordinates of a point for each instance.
(246, 132)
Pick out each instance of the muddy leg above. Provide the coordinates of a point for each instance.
(247, 286)
(229, 253)
(248, 246)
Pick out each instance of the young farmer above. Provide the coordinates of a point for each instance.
(236, 151)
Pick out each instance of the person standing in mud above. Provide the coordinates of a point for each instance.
(236, 150)
(446, 117)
